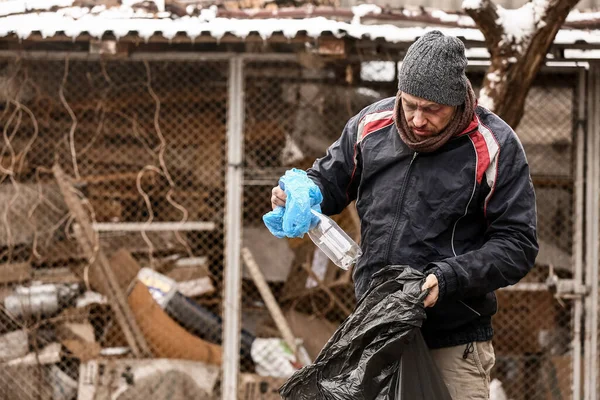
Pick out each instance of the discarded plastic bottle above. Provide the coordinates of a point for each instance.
(334, 242)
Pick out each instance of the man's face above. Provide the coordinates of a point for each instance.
(426, 118)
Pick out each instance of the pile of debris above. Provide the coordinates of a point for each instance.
(116, 329)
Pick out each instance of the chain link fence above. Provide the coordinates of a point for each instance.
(112, 265)
(141, 151)
(534, 329)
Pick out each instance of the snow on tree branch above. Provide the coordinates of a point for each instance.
(518, 41)
(517, 27)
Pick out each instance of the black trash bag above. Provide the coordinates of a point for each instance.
(378, 352)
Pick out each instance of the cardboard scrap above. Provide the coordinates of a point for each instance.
(276, 263)
(84, 351)
(315, 332)
(81, 331)
(79, 339)
(166, 337)
(557, 377)
(17, 203)
(537, 316)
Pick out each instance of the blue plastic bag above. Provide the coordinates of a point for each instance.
(296, 218)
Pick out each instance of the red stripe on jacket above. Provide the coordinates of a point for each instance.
(375, 125)
(483, 155)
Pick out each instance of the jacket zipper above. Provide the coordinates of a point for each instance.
(399, 209)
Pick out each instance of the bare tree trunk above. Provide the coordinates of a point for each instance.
(515, 60)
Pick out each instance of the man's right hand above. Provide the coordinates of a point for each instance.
(278, 197)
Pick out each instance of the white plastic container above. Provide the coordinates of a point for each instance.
(334, 242)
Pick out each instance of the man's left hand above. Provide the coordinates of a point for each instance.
(431, 283)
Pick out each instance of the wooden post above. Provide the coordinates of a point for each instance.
(267, 295)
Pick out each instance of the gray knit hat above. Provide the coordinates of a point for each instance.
(434, 69)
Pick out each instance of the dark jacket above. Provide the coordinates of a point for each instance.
(465, 213)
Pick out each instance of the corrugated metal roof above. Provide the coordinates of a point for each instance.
(126, 20)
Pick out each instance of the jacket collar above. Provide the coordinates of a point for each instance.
(473, 125)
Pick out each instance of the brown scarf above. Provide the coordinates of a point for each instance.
(461, 120)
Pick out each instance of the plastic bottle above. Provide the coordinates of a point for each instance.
(334, 242)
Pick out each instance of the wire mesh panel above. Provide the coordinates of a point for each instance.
(112, 265)
(533, 328)
(592, 323)
(111, 240)
(294, 111)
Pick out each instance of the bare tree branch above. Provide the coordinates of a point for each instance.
(516, 59)
(486, 17)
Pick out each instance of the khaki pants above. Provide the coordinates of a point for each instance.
(466, 369)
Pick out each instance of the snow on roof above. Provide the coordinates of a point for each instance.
(577, 16)
(8, 7)
(363, 9)
(125, 20)
(459, 19)
(586, 54)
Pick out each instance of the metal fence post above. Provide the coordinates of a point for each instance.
(578, 230)
(592, 203)
(233, 226)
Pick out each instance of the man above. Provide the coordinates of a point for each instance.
(442, 185)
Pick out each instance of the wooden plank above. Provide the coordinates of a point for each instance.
(15, 272)
(271, 303)
(87, 240)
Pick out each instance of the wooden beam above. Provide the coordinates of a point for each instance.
(87, 240)
(270, 302)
